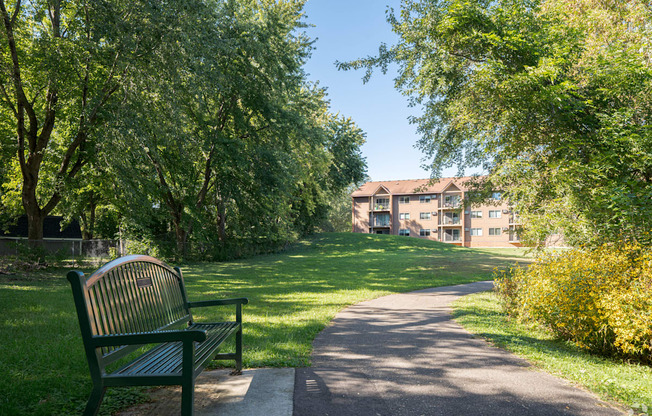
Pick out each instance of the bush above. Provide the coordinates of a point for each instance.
(597, 298)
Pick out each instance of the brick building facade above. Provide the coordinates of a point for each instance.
(416, 208)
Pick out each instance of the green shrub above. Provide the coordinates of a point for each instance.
(506, 286)
(597, 298)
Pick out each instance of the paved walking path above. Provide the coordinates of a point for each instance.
(404, 355)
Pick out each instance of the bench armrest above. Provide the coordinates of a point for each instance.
(152, 337)
(218, 302)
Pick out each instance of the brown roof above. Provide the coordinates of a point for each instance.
(410, 186)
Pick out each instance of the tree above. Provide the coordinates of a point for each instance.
(232, 142)
(62, 63)
(551, 97)
(88, 195)
(339, 218)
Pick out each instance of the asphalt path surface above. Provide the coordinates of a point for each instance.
(404, 355)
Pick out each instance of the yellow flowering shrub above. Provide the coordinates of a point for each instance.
(598, 298)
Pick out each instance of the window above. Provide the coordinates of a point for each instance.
(424, 216)
(451, 235)
(404, 216)
(495, 214)
(381, 220)
(381, 204)
(494, 231)
(496, 196)
(476, 231)
(451, 201)
(424, 233)
(451, 218)
(425, 199)
(404, 231)
(403, 199)
(476, 214)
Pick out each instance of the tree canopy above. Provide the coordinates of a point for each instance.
(553, 98)
(193, 122)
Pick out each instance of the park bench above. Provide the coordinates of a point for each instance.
(138, 301)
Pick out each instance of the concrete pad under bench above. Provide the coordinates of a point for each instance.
(257, 392)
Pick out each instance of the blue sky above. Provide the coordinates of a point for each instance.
(351, 29)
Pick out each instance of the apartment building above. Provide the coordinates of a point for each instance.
(417, 208)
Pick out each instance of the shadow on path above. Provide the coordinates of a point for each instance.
(404, 355)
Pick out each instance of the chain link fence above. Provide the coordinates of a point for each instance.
(66, 248)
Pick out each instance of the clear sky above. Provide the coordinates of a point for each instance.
(350, 29)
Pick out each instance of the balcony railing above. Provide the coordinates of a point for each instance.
(451, 205)
(452, 238)
(381, 223)
(451, 221)
(514, 238)
(381, 207)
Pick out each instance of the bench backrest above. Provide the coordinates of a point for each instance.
(129, 295)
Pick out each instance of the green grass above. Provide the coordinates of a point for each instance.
(615, 380)
(293, 295)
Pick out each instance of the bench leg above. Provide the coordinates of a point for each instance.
(238, 353)
(187, 397)
(93, 405)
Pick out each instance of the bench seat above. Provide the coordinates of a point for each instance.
(167, 359)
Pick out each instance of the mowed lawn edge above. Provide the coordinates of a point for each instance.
(293, 295)
(612, 380)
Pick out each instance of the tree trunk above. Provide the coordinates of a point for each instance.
(182, 236)
(91, 225)
(35, 215)
(87, 223)
(221, 221)
(35, 220)
(180, 232)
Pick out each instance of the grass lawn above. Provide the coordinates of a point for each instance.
(629, 384)
(293, 295)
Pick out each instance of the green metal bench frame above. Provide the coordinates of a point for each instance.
(138, 300)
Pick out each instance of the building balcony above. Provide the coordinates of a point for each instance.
(380, 207)
(451, 205)
(446, 222)
(451, 238)
(381, 225)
